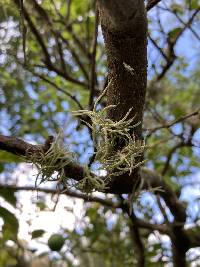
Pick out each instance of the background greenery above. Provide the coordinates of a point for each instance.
(37, 97)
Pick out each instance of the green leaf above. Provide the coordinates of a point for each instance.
(41, 205)
(6, 157)
(37, 233)
(174, 33)
(194, 4)
(9, 195)
(1, 167)
(11, 225)
(177, 8)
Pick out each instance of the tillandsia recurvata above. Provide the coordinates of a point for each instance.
(51, 164)
(106, 133)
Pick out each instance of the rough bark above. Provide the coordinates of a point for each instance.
(124, 27)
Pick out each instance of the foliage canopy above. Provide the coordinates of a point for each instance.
(53, 64)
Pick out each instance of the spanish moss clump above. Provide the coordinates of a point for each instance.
(51, 165)
(107, 134)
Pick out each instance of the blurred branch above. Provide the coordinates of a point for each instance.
(162, 209)
(171, 57)
(194, 236)
(68, 10)
(65, 22)
(58, 88)
(151, 4)
(45, 79)
(183, 143)
(170, 124)
(170, 154)
(157, 47)
(78, 42)
(93, 76)
(70, 193)
(135, 234)
(174, 12)
(60, 52)
(42, 12)
(154, 180)
(162, 228)
(35, 32)
(137, 241)
(47, 57)
(57, 34)
(135, 224)
(189, 27)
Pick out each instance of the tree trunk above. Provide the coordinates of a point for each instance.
(179, 257)
(180, 245)
(124, 27)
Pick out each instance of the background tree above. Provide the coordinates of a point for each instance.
(59, 56)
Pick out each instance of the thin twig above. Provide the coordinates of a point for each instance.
(59, 89)
(169, 156)
(170, 124)
(85, 197)
(135, 234)
(23, 29)
(171, 44)
(157, 47)
(93, 59)
(151, 4)
(47, 56)
(68, 3)
(189, 27)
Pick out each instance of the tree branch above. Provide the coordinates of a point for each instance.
(120, 185)
(47, 56)
(194, 236)
(170, 124)
(151, 4)
(135, 234)
(162, 228)
(93, 58)
(70, 193)
(171, 44)
(45, 79)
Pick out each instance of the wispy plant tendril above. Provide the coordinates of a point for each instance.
(106, 135)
